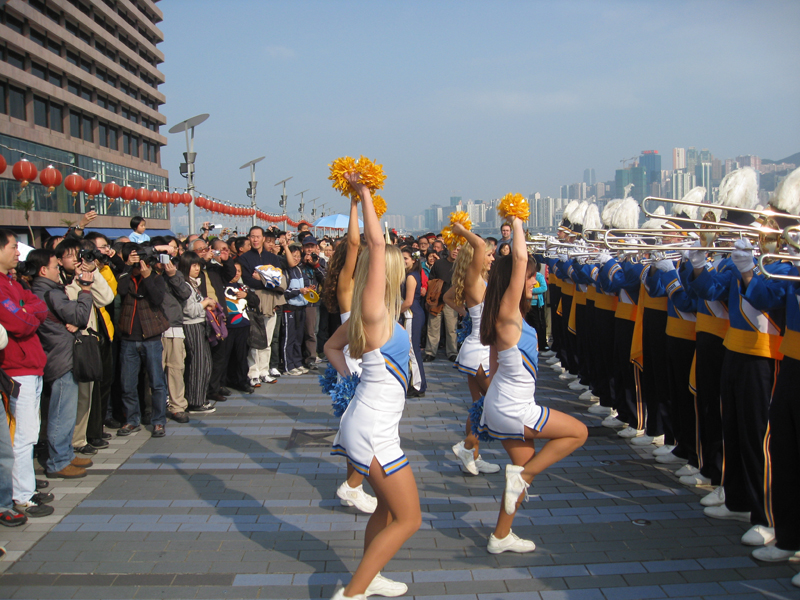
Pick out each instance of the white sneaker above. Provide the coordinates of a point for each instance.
(510, 543)
(303, 370)
(715, 498)
(687, 470)
(486, 467)
(646, 440)
(595, 408)
(382, 586)
(515, 485)
(274, 372)
(547, 354)
(665, 449)
(567, 376)
(467, 458)
(796, 580)
(553, 360)
(613, 422)
(267, 379)
(339, 595)
(577, 386)
(357, 497)
(772, 553)
(629, 433)
(670, 459)
(557, 368)
(254, 381)
(722, 512)
(296, 372)
(758, 535)
(696, 479)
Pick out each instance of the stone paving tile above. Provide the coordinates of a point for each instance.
(221, 509)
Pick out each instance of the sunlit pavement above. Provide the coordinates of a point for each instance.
(241, 504)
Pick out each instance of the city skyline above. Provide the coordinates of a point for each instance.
(476, 97)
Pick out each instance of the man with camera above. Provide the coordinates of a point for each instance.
(314, 269)
(141, 323)
(21, 314)
(76, 257)
(66, 317)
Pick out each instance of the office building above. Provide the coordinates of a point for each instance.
(678, 158)
(589, 177)
(455, 200)
(681, 182)
(749, 160)
(79, 90)
(692, 159)
(651, 160)
(702, 174)
(632, 175)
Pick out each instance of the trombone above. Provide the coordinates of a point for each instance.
(623, 243)
(769, 275)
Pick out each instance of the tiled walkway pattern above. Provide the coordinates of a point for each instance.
(240, 504)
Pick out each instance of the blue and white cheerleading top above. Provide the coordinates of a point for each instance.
(370, 425)
(509, 405)
(473, 354)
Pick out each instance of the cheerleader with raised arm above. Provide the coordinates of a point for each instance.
(465, 296)
(510, 412)
(338, 297)
(369, 431)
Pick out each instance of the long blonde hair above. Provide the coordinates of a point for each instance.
(395, 274)
(459, 279)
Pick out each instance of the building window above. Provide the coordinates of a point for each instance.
(73, 87)
(38, 38)
(86, 66)
(86, 94)
(126, 143)
(112, 138)
(39, 71)
(54, 47)
(15, 60)
(14, 24)
(16, 103)
(56, 118)
(74, 124)
(102, 135)
(87, 129)
(135, 147)
(39, 111)
(3, 95)
(54, 78)
(72, 58)
(53, 15)
(38, 5)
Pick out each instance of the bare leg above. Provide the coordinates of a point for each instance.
(395, 520)
(565, 434)
(478, 384)
(354, 478)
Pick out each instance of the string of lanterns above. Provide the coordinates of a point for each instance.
(25, 172)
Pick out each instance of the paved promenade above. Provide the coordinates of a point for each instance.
(240, 504)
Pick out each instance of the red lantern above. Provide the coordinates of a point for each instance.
(128, 193)
(200, 202)
(74, 183)
(155, 196)
(50, 178)
(142, 195)
(112, 191)
(3, 164)
(175, 198)
(92, 187)
(24, 171)
(186, 198)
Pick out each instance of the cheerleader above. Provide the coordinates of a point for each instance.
(510, 412)
(338, 297)
(469, 286)
(368, 435)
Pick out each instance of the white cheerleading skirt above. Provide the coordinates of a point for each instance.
(472, 356)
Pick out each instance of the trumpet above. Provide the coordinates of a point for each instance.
(760, 213)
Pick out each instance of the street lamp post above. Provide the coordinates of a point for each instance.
(302, 204)
(251, 190)
(187, 168)
(314, 213)
(282, 202)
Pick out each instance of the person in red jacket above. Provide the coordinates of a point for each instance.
(21, 313)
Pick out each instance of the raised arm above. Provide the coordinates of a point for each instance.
(510, 318)
(344, 289)
(373, 302)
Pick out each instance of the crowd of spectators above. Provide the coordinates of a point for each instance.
(100, 335)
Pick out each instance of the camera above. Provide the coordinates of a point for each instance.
(149, 255)
(91, 255)
(26, 269)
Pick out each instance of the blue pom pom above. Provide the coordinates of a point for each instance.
(342, 392)
(464, 329)
(475, 414)
(328, 380)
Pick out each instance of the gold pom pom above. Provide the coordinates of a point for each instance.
(371, 175)
(450, 239)
(513, 205)
(380, 205)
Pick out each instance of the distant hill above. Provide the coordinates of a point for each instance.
(793, 159)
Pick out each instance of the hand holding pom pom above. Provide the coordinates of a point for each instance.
(475, 414)
(513, 205)
(380, 205)
(369, 175)
(453, 238)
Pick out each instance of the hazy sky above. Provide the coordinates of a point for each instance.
(476, 98)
